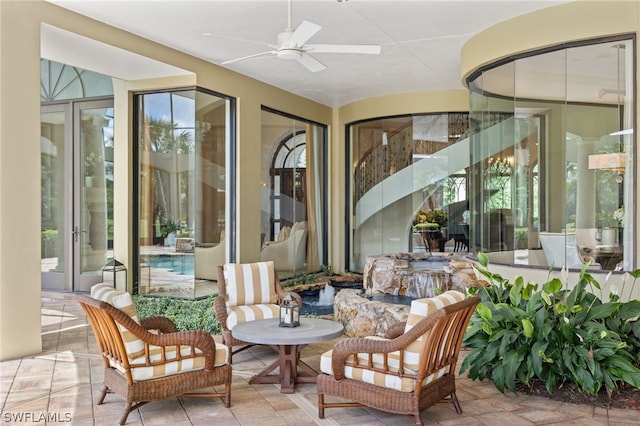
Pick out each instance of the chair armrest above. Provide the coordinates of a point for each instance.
(195, 338)
(162, 324)
(352, 346)
(395, 330)
(220, 308)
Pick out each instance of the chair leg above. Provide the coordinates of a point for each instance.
(456, 403)
(227, 396)
(418, 419)
(321, 405)
(127, 410)
(129, 407)
(105, 391)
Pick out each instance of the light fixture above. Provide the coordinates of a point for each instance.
(289, 313)
(289, 54)
(613, 161)
(116, 271)
(385, 138)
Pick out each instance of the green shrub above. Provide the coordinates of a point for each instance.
(521, 331)
(301, 278)
(186, 314)
(426, 226)
(48, 240)
(522, 238)
(438, 216)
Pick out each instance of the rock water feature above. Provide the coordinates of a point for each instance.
(413, 275)
(323, 305)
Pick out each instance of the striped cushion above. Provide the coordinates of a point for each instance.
(386, 380)
(103, 292)
(240, 314)
(250, 283)
(144, 372)
(420, 309)
(123, 301)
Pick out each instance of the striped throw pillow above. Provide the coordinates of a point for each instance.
(250, 283)
(123, 301)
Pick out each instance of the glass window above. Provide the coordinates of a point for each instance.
(555, 170)
(409, 185)
(183, 196)
(293, 194)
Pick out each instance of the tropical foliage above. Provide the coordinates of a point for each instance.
(438, 216)
(523, 331)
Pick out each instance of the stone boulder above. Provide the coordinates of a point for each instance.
(363, 317)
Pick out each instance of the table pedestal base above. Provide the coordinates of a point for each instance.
(288, 362)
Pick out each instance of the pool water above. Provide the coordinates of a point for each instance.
(180, 263)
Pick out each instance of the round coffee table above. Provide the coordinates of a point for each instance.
(288, 342)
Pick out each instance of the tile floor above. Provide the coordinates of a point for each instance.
(61, 384)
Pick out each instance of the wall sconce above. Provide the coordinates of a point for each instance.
(613, 161)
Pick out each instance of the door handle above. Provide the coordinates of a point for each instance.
(76, 231)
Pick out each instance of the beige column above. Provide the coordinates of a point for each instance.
(19, 180)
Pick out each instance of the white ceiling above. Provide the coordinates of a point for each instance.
(421, 40)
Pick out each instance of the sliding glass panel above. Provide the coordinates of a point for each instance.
(563, 166)
(409, 185)
(182, 192)
(293, 194)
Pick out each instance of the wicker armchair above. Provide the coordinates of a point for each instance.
(247, 292)
(409, 371)
(141, 366)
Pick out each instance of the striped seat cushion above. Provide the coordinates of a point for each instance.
(141, 371)
(388, 380)
(123, 301)
(240, 314)
(420, 309)
(250, 283)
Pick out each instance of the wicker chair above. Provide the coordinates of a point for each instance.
(409, 371)
(141, 366)
(247, 292)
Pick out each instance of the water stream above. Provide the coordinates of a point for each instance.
(318, 303)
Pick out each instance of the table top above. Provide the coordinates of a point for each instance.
(268, 331)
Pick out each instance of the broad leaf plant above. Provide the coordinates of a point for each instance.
(523, 331)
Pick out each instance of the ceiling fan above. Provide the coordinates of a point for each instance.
(292, 46)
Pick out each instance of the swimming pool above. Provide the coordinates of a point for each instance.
(177, 263)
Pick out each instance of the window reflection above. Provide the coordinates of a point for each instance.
(409, 185)
(182, 192)
(554, 176)
(293, 206)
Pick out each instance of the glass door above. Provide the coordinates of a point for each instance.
(77, 194)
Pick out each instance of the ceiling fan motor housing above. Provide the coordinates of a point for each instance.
(286, 49)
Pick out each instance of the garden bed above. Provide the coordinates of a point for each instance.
(625, 397)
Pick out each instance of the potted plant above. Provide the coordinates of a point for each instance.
(168, 229)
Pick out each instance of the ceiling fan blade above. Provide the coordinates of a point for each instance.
(369, 49)
(248, 57)
(304, 32)
(311, 63)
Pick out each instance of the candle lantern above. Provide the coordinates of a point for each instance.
(114, 272)
(289, 313)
